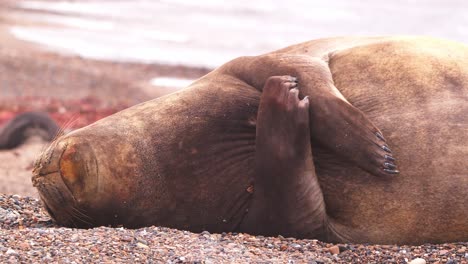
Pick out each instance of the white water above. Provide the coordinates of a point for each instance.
(211, 32)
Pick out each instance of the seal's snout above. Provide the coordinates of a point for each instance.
(64, 176)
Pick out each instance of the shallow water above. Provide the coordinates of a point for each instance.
(210, 32)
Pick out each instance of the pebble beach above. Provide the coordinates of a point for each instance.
(28, 235)
(76, 88)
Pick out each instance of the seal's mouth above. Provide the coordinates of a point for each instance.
(61, 175)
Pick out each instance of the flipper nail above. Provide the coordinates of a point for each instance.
(391, 171)
(389, 158)
(386, 148)
(380, 136)
(389, 165)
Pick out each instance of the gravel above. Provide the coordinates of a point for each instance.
(28, 235)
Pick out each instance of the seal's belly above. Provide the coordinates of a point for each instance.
(418, 97)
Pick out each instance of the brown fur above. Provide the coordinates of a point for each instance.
(187, 160)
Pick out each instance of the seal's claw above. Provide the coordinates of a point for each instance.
(293, 85)
(277, 87)
(386, 148)
(380, 136)
(389, 165)
(389, 158)
(391, 171)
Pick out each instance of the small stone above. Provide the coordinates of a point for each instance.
(11, 252)
(6, 215)
(74, 238)
(231, 245)
(205, 233)
(142, 241)
(443, 252)
(296, 246)
(141, 245)
(334, 250)
(417, 261)
(126, 239)
(24, 246)
(94, 249)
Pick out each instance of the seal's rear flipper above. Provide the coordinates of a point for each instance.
(334, 122)
(287, 198)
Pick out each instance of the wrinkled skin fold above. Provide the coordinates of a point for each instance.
(341, 139)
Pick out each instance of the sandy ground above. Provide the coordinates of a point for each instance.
(16, 166)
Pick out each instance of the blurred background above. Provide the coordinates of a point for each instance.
(80, 61)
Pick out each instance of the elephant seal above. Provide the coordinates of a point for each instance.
(17, 130)
(303, 141)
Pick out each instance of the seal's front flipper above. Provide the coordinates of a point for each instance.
(341, 127)
(287, 198)
(334, 122)
(345, 130)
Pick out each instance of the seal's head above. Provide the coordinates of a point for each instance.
(101, 175)
(66, 176)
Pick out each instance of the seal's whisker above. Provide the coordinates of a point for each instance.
(81, 213)
(66, 125)
(70, 219)
(59, 133)
(43, 149)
